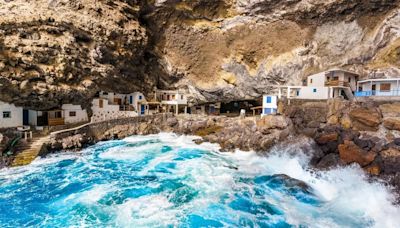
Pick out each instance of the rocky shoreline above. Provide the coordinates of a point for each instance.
(344, 133)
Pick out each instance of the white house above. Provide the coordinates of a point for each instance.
(74, 113)
(172, 99)
(10, 115)
(378, 87)
(325, 85)
(128, 102)
(269, 105)
(138, 100)
(113, 106)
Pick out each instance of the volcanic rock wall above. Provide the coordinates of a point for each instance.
(62, 51)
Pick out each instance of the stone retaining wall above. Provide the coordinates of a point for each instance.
(111, 129)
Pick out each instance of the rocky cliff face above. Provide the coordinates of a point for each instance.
(60, 51)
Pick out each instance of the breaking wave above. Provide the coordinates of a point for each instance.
(166, 180)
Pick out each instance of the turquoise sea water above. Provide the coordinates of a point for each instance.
(166, 180)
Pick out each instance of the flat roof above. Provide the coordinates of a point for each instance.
(379, 79)
(346, 71)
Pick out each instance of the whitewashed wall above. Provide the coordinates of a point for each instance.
(308, 93)
(108, 112)
(16, 119)
(318, 80)
(273, 104)
(81, 114)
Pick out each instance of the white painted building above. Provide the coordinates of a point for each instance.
(325, 85)
(10, 115)
(138, 100)
(111, 105)
(270, 105)
(127, 102)
(383, 87)
(172, 99)
(74, 114)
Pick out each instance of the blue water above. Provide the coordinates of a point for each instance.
(168, 181)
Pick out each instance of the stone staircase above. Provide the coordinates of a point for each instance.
(30, 151)
(349, 93)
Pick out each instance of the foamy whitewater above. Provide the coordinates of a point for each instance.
(166, 180)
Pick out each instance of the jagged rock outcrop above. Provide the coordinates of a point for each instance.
(60, 51)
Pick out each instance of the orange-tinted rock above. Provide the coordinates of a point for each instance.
(350, 152)
(272, 122)
(373, 170)
(390, 110)
(392, 123)
(330, 137)
(365, 119)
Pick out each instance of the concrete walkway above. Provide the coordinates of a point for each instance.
(33, 149)
(30, 152)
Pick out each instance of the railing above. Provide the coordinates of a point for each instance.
(370, 93)
(337, 83)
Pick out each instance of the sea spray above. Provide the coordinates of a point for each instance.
(167, 180)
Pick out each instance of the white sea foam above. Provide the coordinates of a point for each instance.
(348, 199)
(345, 190)
(146, 211)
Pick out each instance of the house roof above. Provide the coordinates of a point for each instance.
(337, 69)
(379, 79)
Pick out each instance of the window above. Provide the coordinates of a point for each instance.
(310, 80)
(101, 103)
(140, 97)
(385, 87)
(6, 115)
(181, 97)
(269, 100)
(298, 93)
(349, 79)
(173, 97)
(314, 90)
(72, 113)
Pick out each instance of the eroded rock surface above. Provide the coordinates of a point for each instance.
(60, 51)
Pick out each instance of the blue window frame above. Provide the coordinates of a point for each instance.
(140, 97)
(269, 100)
(269, 111)
(314, 90)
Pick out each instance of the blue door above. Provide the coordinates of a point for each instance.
(142, 109)
(25, 117)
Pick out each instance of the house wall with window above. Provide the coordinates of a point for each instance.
(314, 93)
(270, 105)
(103, 110)
(317, 80)
(74, 113)
(379, 88)
(139, 102)
(171, 97)
(10, 115)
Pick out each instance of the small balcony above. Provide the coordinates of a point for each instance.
(337, 83)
